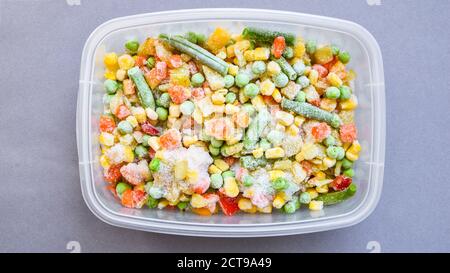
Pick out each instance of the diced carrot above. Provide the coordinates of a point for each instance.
(201, 211)
(175, 61)
(122, 112)
(279, 44)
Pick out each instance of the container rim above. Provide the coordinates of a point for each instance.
(83, 121)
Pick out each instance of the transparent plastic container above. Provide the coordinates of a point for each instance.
(370, 119)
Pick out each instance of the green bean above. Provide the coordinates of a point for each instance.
(336, 197)
(286, 68)
(255, 129)
(310, 111)
(267, 36)
(251, 163)
(144, 92)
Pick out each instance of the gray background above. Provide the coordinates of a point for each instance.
(41, 208)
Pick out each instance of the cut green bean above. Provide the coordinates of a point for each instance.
(144, 92)
(286, 68)
(266, 36)
(311, 111)
(337, 197)
(251, 163)
(255, 129)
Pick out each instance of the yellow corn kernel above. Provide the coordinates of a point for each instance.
(197, 116)
(110, 75)
(276, 174)
(218, 98)
(220, 109)
(230, 109)
(313, 76)
(139, 113)
(106, 139)
(313, 193)
(329, 162)
(282, 164)
(213, 169)
(159, 155)
(125, 61)
(298, 120)
(151, 114)
(278, 202)
(280, 127)
(242, 97)
(174, 110)
(110, 61)
(221, 54)
(334, 79)
(184, 198)
(299, 48)
(320, 175)
(257, 153)
(284, 118)
(153, 142)
(185, 58)
(233, 70)
(355, 147)
(249, 55)
(316, 205)
(221, 164)
(163, 203)
(180, 169)
(346, 145)
(267, 87)
(293, 130)
(276, 95)
(126, 139)
(258, 102)
(349, 104)
(267, 209)
(132, 120)
(230, 187)
(104, 161)
(198, 201)
(322, 189)
(307, 71)
(328, 104)
(298, 172)
(128, 154)
(261, 54)
(245, 204)
(273, 68)
(192, 176)
(189, 140)
(121, 74)
(171, 121)
(276, 152)
(352, 156)
(241, 46)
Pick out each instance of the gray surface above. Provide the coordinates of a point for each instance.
(41, 208)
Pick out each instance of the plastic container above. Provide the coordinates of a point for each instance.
(370, 118)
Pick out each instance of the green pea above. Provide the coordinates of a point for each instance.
(344, 57)
(345, 92)
(242, 79)
(229, 81)
(335, 121)
(191, 37)
(151, 62)
(301, 96)
(303, 81)
(119, 86)
(332, 92)
(329, 141)
(264, 144)
(125, 127)
(156, 192)
(182, 205)
(335, 50)
(340, 153)
(144, 140)
(216, 143)
(251, 90)
(216, 181)
(249, 108)
(162, 113)
(121, 187)
(248, 181)
(163, 100)
(311, 46)
(281, 80)
(213, 150)
(349, 172)
(228, 173)
(332, 151)
(151, 202)
(280, 184)
(230, 97)
(304, 198)
(110, 86)
(154, 164)
(291, 206)
(201, 38)
(197, 79)
(259, 67)
(187, 108)
(346, 164)
(288, 52)
(299, 68)
(140, 151)
(132, 46)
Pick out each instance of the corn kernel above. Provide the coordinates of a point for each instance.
(299, 48)
(249, 55)
(222, 55)
(104, 161)
(110, 61)
(276, 174)
(322, 189)
(213, 169)
(153, 142)
(282, 164)
(351, 156)
(241, 46)
(355, 147)
(273, 68)
(180, 169)
(110, 75)
(230, 109)
(151, 114)
(126, 139)
(171, 121)
(278, 202)
(312, 193)
(276, 95)
(257, 153)
(197, 116)
(106, 139)
(284, 118)
(192, 176)
(293, 130)
(198, 201)
(316, 205)
(245, 204)
(233, 70)
(218, 98)
(313, 76)
(128, 154)
(276, 152)
(320, 175)
(189, 140)
(346, 145)
(163, 203)
(261, 54)
(280, 127)
(139, 113)
(219, 109)
(230, 187)
(242, 97)
(125, 61)
(329, 162)
(267, 209)
(349, 104)
(258, 102)
(174, 110)
(159, 155)
(120, 74)
(132, 120)
(328, 104)
(298, 172)
(267, 87)
(334, 79)
(221, 164)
